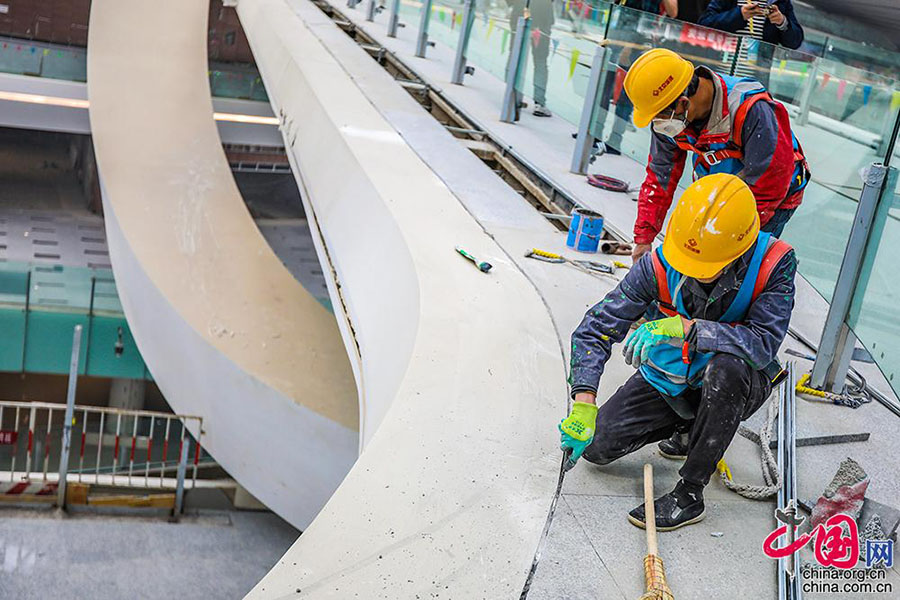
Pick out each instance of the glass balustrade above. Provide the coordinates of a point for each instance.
(872, 317)
(40, 305)
(69, 63)
(842, 107)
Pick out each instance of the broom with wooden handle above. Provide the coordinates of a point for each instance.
(654, 570)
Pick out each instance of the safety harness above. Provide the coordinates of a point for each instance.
(734, 146)
(775, 251)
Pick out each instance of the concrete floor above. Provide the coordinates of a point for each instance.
(592, 551)
(214, 555)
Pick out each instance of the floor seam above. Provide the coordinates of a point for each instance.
(594, 548)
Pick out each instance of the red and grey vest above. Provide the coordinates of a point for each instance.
(720, 147)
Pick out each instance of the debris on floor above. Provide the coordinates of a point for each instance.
(845, 494)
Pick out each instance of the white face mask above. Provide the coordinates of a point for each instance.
(670, 127)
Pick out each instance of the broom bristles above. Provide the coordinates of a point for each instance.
(655, 578)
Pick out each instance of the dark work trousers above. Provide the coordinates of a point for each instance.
(637, 415)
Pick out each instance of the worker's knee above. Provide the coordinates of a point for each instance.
(605, 447)
(599, 453)
(726, 373)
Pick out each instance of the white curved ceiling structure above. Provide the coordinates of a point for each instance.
(225, 329)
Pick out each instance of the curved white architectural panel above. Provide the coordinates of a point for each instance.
(225, 329)
(461, 372)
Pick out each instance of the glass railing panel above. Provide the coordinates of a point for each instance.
(556, 73)
(13, 284)
(62, 289)
(873, 316)
(409, 11)
(230, 83)
(490, 41)
(13, 297)
(69, 63)
(23, 57)
(872, 58)
(106, 296)
(19, 57)
(631, 32)
(446, 21)
(839, 114)
(587, 20)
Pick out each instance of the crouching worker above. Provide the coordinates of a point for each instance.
(722, 294)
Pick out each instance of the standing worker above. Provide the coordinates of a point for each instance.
(542, 19)
(721, 295)
(731, 124)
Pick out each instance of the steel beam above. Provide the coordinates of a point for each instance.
(517, 55)
(67, 421)
(422, 39)
(460, 69)
(394, 19)
(584, 141)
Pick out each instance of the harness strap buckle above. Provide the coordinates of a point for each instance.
(711, 158)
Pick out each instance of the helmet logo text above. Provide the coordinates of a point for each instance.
(664, 85)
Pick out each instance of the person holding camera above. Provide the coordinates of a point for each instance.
(770, 21)
(773, 22)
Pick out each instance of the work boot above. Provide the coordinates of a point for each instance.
(682, 506)
(676, 447)
(542, 111)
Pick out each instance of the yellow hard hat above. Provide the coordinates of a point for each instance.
(655, 80)
(714, 223)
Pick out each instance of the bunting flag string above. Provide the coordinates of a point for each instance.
(573, 61)
(504, 41)
(490, 29)
(535, 38)
(842, 87)
(555, 44)
(895, 100)
(826, 77)
(782, 66)
(867, 92)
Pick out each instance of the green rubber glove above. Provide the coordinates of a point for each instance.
(577, 430)
(651, 333)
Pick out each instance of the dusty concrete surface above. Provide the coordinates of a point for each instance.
(213, 555)
(592, 551)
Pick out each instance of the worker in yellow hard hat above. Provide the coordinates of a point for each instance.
(720, 295)
(730, 124)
